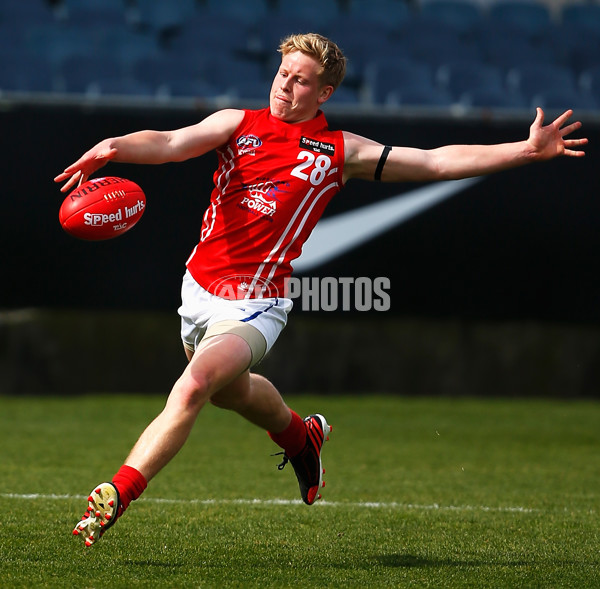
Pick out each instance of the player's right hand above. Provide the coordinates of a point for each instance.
(85, 166)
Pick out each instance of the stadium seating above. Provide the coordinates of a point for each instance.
(78, 72)
(504, 48)
(589, 83)
(414, 96)
(164, 16)
(86, 11)
(397, 75)
(187, 88)
(463, 16)
(435, 43)
(536, 80)
(439, 51)
(557, 100)
(527, 16)
(493, 98)
(344, 95)
(203, 35)
(389, 13)
(320, 14)
(118, 86)
(97, 5)
(250, 12)
(582, 16)
(30, 73)
(33, 12)
(465, 77)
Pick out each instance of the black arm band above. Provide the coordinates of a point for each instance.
(381, 163)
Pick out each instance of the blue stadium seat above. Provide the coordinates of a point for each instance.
(506, 48)
(56, 42)
(165, 15)
(82, 16)
(32, 12)
(392, 14)
(232, 73)
(125, 45)
(464, 16)
(529, 16)
(25, 73)
(435, 43)
(582, 16)
(394, 75)
(492, 98)
(188, 88)
(119, 86)
(250, 12)
(589, 83)
(255, 90)
(12, 38)
(416, 96)
(461, 78)
(206, 33)
(580, 47)
(557, 100)
(319, 14)
(344, 95)
(96, 5)
(91, 11)
(373, 41)
(77, 72)
(160, 69)
(535, 80)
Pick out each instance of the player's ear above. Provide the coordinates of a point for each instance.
(325, 94)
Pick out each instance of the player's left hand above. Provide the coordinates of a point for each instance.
(549, 141)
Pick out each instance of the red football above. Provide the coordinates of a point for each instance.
(102, 208)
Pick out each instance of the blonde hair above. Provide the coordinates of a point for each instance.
(325, 51)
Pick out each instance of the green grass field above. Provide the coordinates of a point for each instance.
(420, 493)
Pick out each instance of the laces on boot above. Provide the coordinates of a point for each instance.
(285, 460)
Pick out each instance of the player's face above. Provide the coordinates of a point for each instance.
(296, 93)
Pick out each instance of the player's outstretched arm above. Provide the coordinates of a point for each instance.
(452, 162)
(154, 147)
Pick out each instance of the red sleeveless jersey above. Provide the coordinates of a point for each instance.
(272, 185)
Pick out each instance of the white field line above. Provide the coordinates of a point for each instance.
(336, 504)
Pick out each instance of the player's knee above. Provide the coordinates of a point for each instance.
(191, 393)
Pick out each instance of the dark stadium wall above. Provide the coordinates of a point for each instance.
(520, 244)
(501, 266)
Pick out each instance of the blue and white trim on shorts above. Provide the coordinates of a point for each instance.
(200, 309)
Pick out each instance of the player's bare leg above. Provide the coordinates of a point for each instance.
(217, 371)
(217, 362)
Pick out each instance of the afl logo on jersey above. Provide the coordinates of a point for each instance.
(248, 144)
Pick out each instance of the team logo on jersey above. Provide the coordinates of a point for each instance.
(248, 144)
(261, 199)
(317, 146)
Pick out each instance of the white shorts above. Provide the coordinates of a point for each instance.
(205, 315)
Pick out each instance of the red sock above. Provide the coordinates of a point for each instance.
(293, 438)
(130, 483)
